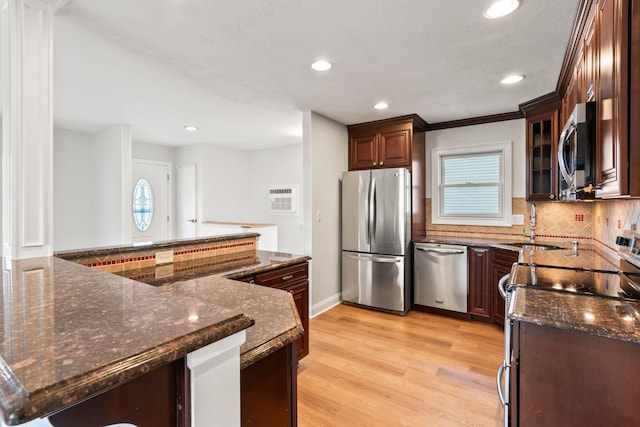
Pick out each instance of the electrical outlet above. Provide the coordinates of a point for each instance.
(517, 219)
(164, 257)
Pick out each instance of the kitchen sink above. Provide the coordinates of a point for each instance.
(533, 246)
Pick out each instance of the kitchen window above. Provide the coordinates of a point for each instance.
(472, 185)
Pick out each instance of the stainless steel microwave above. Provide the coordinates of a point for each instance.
(576, 152)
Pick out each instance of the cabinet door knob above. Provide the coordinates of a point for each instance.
(551, 196)
(381, 163)
(374, 163)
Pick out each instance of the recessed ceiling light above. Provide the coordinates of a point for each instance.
(381, 106)
(191, 128)
(501, 8)
(514, 78)
(321, 65)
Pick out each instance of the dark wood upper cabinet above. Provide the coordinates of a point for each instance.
(542, 143)
(394, 143)
(611, 103)
(363, 150)
(602, 63)
(390, 143)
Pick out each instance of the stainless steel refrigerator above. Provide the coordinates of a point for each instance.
(376, 237)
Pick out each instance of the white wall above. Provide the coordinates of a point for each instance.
(75, 199)
(224, 182)
(324, 160)
(272, 167)
(90, 175)
(113, 148)
(512, 130)
(155, 152)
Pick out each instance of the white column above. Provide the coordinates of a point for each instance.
(215, 382)
(26, 30)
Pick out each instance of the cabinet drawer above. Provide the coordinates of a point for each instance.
(283, 276)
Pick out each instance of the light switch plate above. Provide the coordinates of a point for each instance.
(164, 257)
(517, 219)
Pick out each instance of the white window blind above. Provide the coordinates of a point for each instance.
(471, 185)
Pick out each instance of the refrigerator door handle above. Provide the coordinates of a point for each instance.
(374, 209)
(370, 211)
(395, 260)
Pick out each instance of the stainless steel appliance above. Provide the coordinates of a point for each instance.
(440, 276)
(622, 284)
(576, 151)
(376, 236)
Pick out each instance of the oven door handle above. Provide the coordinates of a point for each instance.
(441, 251)
(501, 370)
(501, 284)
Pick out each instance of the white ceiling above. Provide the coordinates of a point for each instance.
(240, 70)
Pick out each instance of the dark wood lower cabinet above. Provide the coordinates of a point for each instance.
(269, 390)
(268, 397)
(502, 261)
(569, 378)
(479, 299)
(485, 269)
(294, 279)
(155, 399)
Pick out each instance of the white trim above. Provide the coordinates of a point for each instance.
(169, 196)
(326, 304)
(506, 147)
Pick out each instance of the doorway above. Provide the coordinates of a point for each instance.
(151, 199)
(187, 206)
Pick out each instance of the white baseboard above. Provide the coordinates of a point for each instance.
(326, 304)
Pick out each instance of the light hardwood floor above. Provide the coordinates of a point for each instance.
(367, 368)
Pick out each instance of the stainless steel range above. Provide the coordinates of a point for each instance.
(605, 281)
(580, 281)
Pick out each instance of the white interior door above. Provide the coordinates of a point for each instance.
(187, 207)
(150, 217)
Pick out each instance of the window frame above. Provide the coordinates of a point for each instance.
(505, 150)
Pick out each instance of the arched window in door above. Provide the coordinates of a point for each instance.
(142, 204)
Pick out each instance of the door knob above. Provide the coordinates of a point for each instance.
(192, 220)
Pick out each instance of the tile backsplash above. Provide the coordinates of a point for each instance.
(560, 221)
(612, 217)
(600, 221)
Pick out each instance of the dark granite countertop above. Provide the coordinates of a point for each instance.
(597, 315)
(606, 317)
(587, 256)
(274, 325)
(70, 331)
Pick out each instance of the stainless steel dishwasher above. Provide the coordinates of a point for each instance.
(440, 276)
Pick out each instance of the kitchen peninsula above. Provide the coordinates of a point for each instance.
(77, 339)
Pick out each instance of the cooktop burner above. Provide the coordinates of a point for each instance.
(609, 284)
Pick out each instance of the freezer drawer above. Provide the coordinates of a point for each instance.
(374, 280)
(440, 276)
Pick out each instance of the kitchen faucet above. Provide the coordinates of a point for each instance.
(532, 224)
